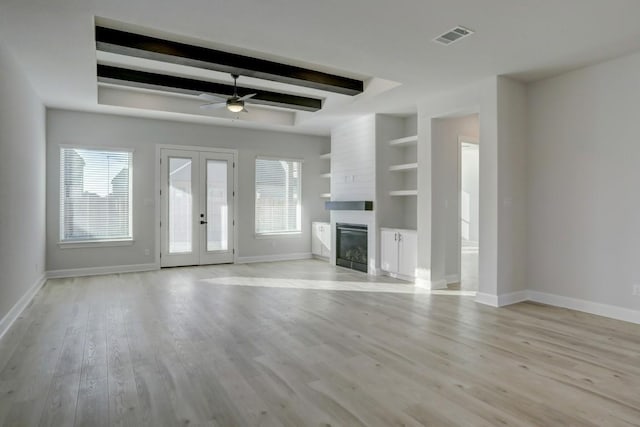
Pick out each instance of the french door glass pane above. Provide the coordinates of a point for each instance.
(180, 205)
(217, 209)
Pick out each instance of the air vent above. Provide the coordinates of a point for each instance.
(453, 35)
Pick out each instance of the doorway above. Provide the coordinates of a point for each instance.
(469, 212)
(197, 219)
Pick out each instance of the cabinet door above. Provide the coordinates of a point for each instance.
(325, 239)
(389, 251)
(408, 254)
(316, 243)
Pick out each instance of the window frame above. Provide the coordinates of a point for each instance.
(99, 242)
(276, 234)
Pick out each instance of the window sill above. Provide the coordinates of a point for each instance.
(291, 235)
(95, 244)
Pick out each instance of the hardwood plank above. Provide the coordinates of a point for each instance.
(124, 408)
(60, 407)
(303, 343)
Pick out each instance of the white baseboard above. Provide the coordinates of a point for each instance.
(397, 276)
(22, 303)
(273, 258)
(431, 284)
(97, 271)
(502, 299)
(512, 298)
(373, 271)
(452, 278)
(606, 310)
(612, 311)
(487, 299)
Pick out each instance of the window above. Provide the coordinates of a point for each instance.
(95, 195)
(278, 201)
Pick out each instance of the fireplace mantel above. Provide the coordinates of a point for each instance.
(351, 205)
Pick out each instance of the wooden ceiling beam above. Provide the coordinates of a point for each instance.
(141, 46)
(167, 83)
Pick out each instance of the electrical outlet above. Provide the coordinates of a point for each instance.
(147, 251)
(636, 290)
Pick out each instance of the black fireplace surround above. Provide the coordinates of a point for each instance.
(351, 244)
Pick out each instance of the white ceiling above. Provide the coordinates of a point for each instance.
(388, 41)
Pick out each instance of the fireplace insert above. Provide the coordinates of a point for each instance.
(351, 244)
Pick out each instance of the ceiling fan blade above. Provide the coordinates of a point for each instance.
(244, 98)
(213, 106)
(244, 110)
(212, 98)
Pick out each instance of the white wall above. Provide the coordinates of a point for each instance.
(501, 105)
(353, 160)
(100, 130)
(512, 187)
(478, 98)
(22, 185)
(583, 175)
(445, 133)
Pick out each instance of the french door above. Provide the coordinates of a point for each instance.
(197, 218)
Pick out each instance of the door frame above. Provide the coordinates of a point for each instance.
(158, 186)
(469, 140)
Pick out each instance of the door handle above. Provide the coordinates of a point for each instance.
(203, 222)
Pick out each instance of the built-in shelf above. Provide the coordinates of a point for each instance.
(403, 167)
(407, 140)
(326, 175)
(403, 193)
(326, 195)
(326, 156)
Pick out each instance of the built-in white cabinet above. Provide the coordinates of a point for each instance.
(399, 252)
(321, 239)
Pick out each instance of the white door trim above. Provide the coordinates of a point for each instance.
(158, 182)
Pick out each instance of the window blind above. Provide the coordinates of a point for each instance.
(278, 198)
(95, 194)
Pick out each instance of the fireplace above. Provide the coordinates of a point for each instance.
(351, 244)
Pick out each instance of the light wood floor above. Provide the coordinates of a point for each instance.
(302, 343)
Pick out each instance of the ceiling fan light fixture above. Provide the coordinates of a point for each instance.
(234, 103)
(235, 106)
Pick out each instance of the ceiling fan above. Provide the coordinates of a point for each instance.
(234, 103)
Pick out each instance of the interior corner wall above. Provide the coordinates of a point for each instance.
(22, 185)
(143, 136)
(512, 186)
(583, 203)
